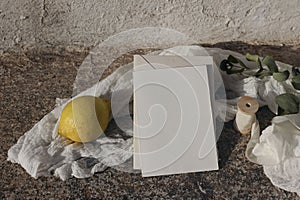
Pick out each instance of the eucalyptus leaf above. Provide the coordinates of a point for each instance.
(254, 58)
(296, 85)
(296, 82)
(296, 79)
(270, 62)
(225, 65)
(235, 60)
(232, 59)
(295, 71)
(289, 103)
(281, 76)
(262, 73)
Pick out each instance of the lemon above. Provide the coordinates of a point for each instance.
(84, 119)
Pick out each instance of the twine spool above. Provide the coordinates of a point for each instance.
(245, 116)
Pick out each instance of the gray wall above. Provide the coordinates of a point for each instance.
(86, 22)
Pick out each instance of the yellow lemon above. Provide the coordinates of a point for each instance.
(84, 119)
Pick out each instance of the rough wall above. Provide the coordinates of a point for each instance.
(86, 22)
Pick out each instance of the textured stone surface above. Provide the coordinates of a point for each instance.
(30, 82)
(86, 23)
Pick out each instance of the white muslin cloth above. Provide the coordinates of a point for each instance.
(42, 152)
(278, 150)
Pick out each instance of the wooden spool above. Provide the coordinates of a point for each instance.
(245, 117)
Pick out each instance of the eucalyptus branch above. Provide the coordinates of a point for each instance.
(288, 103)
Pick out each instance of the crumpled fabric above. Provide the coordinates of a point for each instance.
(278, 150)
(42, 152)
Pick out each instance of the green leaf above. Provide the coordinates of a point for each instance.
(289, 103)
(296, 82)
(225, 65)
(295, 71)
(251, 57)
(235, 60)
(232, 59)
(270, 62)
(254, 58)
(296, 79)
(296, 85)
(281, 76)
(230, 68)
(262, 73)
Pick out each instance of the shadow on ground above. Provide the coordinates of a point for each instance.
(284, 53)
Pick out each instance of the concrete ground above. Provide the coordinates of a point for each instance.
(30, 82)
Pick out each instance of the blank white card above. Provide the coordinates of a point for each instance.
(173, 121)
